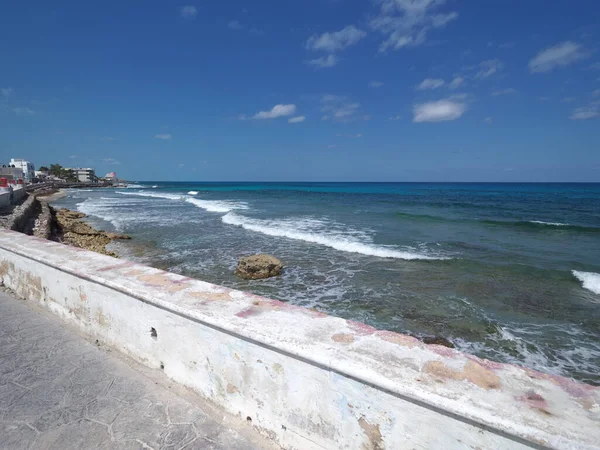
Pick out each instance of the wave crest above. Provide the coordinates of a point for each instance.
(590, 280)
(345, 243)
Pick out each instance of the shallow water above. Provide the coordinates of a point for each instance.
(506, 271)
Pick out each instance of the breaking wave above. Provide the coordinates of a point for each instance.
(590, 280)
(320, 232)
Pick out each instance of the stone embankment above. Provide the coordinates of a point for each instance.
(36, 217)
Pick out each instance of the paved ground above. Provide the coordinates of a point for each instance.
(59, 391)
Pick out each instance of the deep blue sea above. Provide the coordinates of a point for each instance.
(510, 272)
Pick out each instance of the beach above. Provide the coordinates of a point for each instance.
(507, 272)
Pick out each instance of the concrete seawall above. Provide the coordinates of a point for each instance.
(305, 379)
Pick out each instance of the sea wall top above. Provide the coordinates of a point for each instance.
(541, 409)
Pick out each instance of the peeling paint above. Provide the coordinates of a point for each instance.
(373, 433)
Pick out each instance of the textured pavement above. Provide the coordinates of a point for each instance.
(59, 391)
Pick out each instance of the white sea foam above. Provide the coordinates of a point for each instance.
(552, 224)
(153, 194)
(193, 193)
(135, 186)
(590, 280)
(219, 206)
(154, 187)
(298, 230)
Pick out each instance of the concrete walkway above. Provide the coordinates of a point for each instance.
(59, 391)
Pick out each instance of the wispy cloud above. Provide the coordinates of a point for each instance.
(407, 22)
(560, 55)
(507, 91)
(324, 62)
(488, 120)
(111, 161)
(352, 136)
(488, 68)
(439, 111)
(456, 82)
(591, 111)
(375, 84)
(188, 12)
(298, 119)
(335, 41)
(6, 92)
(163, 136)
(596, 93)
(23, 111)
(275, 112)
(108, 138)
(235, 25)
(395, 118)
(339, 108)
(430, 83)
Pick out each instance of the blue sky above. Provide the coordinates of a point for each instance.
(332, 90)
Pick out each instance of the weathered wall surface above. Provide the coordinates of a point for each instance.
(17, 195)
(307, 380)
(23, 213)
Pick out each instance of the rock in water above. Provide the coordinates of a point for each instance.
(257, 267)
(438, 340)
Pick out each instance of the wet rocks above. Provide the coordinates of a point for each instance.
(257, 267)
(73, 231)
(438, 340)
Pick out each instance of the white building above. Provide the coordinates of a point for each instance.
(27, 168)
(85, 175)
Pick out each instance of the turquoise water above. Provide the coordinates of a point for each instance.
(510, 272)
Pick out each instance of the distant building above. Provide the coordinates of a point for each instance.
(85, 175)
(27, 168)
(111, 177)
(41, 174)
(11, 173)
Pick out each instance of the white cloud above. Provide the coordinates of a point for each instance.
(108, 138)
(23, 111)
(163, 136)
(596, 93)
(324, 62)
(275, 112)
(72, 156)
(488, 120)
(439, 111)
(430, 83)
(353, 136)
(375, 84)
(256, 31)
(456, 82)
(591, 111)
(560, 55)
(338, 40)
(297, 119)
(339, 108)
(507, 91)
(6, 92)
(188, 12)
(235, 25)
(407, 22)
(488, 68)
(111, 161)
(395, 118)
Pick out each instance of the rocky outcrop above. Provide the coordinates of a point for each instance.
(438, 340)
(257, 267)
(70, 229)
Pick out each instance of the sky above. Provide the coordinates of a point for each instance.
(317, 90)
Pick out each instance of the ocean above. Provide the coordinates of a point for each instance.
(508, 272)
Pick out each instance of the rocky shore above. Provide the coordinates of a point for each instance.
(69, 228)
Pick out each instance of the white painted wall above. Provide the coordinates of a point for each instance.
(307, 380)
